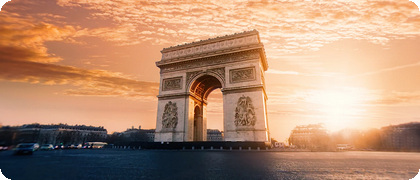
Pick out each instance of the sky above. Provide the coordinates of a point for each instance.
(344, 63)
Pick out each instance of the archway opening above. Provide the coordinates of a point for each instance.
(203, 86)
(215, 116)
(200, 90)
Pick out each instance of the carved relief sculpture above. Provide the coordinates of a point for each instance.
(219, 71)
(242, 74)
(170, 115)
(191, 75)
(172, 84)
(244, 112)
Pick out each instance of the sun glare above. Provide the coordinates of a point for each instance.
(339, 108)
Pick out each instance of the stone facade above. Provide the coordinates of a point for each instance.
(312, 136)
(214, 135)
(405, 137)
(189, 72)
(138, 135)
(59, 134)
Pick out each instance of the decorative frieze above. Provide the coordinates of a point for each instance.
(172, 83)
(244, 112)
(191, 75)
(216, 60)
(170, 115)
(242, 74)
(211, 47)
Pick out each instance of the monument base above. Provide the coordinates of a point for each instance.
(202, 145)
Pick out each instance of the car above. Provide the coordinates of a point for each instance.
(59, 147)
(3, 147)
(47, 147)
(79, 146)
(26, 148)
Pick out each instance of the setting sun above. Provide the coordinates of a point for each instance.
(93, 63)
(340, 108)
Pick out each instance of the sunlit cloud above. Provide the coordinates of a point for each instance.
(386, 70)
(285, 26)
(25, 58)
(396, 98)
(90, 82)
(23, 38)
(274, 71)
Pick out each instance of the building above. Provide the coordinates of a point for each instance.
(403, 137)
(312, 136)
(136, 135)
(7, 135)
(278, 144)
(214, 135)
(59, 134)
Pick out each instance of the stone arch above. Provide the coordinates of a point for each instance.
(218, 73)
(203, 84)
(190, 72)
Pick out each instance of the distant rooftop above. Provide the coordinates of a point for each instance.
(63, 126)
(411, 125)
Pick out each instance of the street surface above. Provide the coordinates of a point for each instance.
(169, 164)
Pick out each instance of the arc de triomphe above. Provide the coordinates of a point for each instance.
(189, 72)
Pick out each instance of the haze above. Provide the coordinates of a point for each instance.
(347, 64)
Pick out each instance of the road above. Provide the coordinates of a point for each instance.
(169, 164)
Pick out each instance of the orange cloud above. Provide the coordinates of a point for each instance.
(396, 98)
(90, 82)
(23, 38)
(25, 58)
(285, 27)
(387, 70)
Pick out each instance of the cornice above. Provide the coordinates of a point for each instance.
(233, 57)
(229, 44)
(240, 89)
(210, 40)
(173, 96)
(230, 90)
(209, 55)
(180, 95)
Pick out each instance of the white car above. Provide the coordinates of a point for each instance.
(47, 147)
